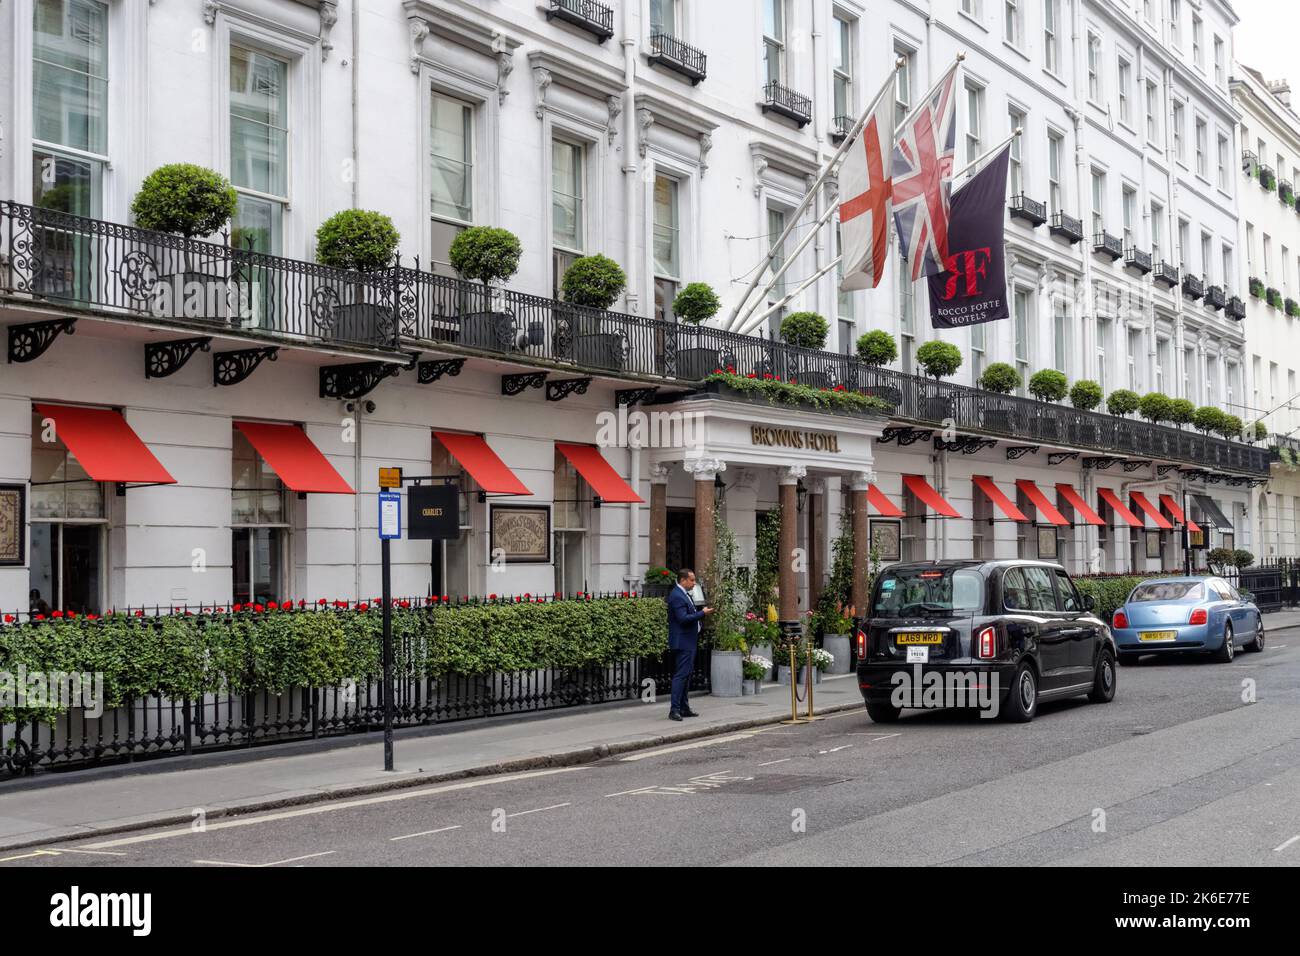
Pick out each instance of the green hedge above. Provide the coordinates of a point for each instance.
(183, 655)
(1110, 591)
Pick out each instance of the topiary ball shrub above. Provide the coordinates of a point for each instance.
(1181, 411)
(1208, 419)
(1154, 407)
(1231, 427)
(1122, 402)
(1085, 394)
(358, 239)
(696, 303)
(593, 281)
(485, 254)
(939, 359)
(1049, 385)
(1261, 431)
(805, 329)
(186, 199)
(877, 348)
(1001, 378)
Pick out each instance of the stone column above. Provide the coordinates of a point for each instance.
(788, 479)
(704, 471)
(816, 539)
(861, 542)
(659, 514)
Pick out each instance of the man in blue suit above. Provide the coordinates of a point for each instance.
(683, 640)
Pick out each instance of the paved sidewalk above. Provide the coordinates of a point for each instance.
(54, 807)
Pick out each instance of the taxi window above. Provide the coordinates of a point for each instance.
(1042, 597)
(1070, 600)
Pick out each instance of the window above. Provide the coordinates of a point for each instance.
(1055, 151)
(1129, 208)
(68, 524)
(1184, 239)
(774, 40)
(1011, 21)
(667, 243)
(1125, 82)
(903, 84)
(971, 7)
(1103, 350)
(1051, 42)
(568, 211)
(776, 226)
(1180, 152)
(259, 526)
(1175, 24)
(1135, 359)
(1162, 362)
(1016, 174)
(978, 350)
(1202, 144)
(1098, 201)
(1222, 162)
(1068, 595)
(1227, 269)
(1061, 336)
(1189, 369)
(452, 166)
(1198, 36)
(1268, 256)
(1157, 231)
(1218, 62)
(906, 316)
(663, 17)
(450, 559)
(570, 521)
(1153, 112)
(843, 300)
(1028, 589)
(259, 147)
(1286, 258)
(1250, 247)
(69, 106)
(974, 122)
(1094, 68)
(1207, 257)
(843, 76)
(1022, 333)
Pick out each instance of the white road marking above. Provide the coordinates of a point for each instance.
(64, 849)
(624, 793)
(292, 859)
(28, 856)
(679, 747)
(524, 813)
(423, 833)
(835, 749)
(1279, 849)
(328, 807)
(770, 762)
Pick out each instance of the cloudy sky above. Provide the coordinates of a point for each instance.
(1266, 38)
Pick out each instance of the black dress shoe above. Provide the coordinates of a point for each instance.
(674, 715)
(689, 713)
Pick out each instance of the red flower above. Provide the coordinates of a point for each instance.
(40, 617)
(72, 615)
(92, 617)
(625, 594)
(492, 597)
(403, 603)
(731, 369)
(56, 615)
(445, 599)
(793, 381)
(527, 596)
(717, 371)
(9, 618)
(752, 375)
(139, 613)
(259, 608)
(189, 613)
(557, 595)
(518, 599)
(767, 376)
(363, 606)
(322, 602)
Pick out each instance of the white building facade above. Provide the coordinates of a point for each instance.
(672, 136)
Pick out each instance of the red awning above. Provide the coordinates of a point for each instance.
(921, 488)
(1004, 504)
(598, 473)
(883, 505)
(1081, 507)
(104, 444)
(1046, 510)
(482, 462)
(293, 457)
(1176, 513)
(1145, 504)
(1120, 509)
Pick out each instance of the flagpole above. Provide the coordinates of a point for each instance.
(934, 89)
(996, 149)
(789, 261)
(782, 304)
(734, 317)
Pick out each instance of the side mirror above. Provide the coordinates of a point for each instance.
(1088, 603)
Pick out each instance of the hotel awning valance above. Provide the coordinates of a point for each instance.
(1211, 513)
(1081, 507)
(1046, 510)
(886, 508)
(1120, 509)
(482, 462)
(1001, 501)
(931, 498)
(294, 459)
(1146, 505)
(598, 473)
(1176, 512)
(105, 446)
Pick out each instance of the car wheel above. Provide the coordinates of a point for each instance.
(1228, 651)
(883, 713)
(1022, 698)
(1103, 683)
(1127, 660)
(1259, 635)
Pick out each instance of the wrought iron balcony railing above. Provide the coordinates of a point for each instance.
(596, 18)
(1166, 275)
(784, 101)
(1216, 298)
(1285, 192)
(1249, 162)
(1137, 260)
(1104, 244)
(1028, 210)
(1193, 286)
(1267, 178)
(1066, 227)
(1236, 308)
(841, 126)
(673, 54)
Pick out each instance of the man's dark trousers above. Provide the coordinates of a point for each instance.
(683, 667)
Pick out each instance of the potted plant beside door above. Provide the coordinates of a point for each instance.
(726, 624)
(361, 242)
(486, 254)
(693, 306)
(592, 284)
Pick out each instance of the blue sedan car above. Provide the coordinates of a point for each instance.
(1165, 615)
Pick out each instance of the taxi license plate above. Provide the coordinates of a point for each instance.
(1157, 636)
(912, 638)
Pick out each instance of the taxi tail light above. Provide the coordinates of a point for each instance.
(862, 644)
(1199, 616)
(987, 640)
(1119, 620)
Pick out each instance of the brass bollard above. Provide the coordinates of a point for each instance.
(794, 698)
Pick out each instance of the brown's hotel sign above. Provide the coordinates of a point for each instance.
(794, 438)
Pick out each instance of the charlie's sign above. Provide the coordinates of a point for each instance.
(794, 438)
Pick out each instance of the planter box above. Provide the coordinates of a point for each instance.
(602, 350)
(840, 647)
(935, 408)
(726, 673)
(996, 419)
(362, 322)
(695, 363)
(487, 330)
(751, 688)
(814, 379)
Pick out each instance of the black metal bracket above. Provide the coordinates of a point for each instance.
(122, 487)
(631, 396)
(166, 358)
(1256, 482)
(904, 435)
(430, 372)
(1100, 462)
(966, 444)
(231, 368)
(355, 380)
(1162, 470)
(29, 341)
(514, 384)
(1212, 479)
(562, 389)
(1236, 482)
(1056, 457)
(1194, 474)
(1132, 466)
(1016, 452)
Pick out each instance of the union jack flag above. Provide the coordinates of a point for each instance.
(922, 172)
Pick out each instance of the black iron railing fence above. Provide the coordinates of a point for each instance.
(779, 98)
(678, 55)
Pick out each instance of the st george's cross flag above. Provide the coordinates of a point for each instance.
(866, 191)
(922, 171)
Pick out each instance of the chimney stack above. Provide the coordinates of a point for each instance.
(1282, 90)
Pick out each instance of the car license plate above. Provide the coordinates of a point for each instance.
(1157, 636)
(907, 638)
(918, 655)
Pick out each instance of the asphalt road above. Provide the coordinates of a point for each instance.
(1177, 770)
